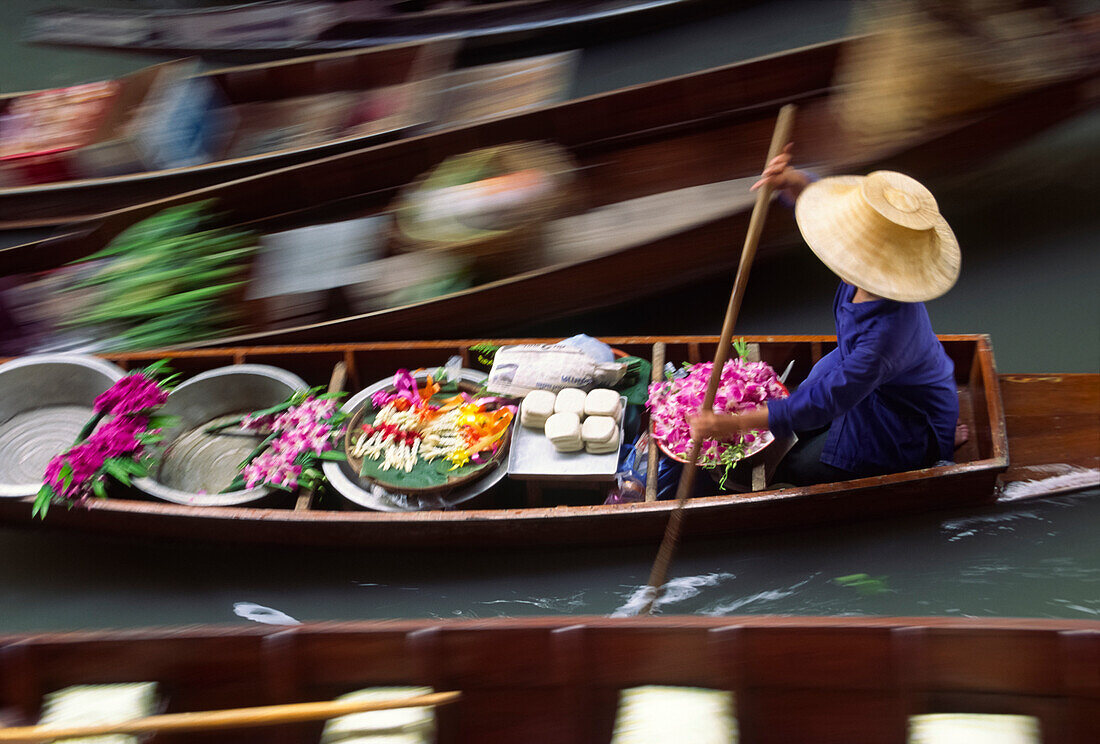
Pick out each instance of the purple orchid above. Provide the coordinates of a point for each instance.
(132, 394)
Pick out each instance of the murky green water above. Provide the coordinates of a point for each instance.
(1029, 231)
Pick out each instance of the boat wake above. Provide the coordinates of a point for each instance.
(676, 590)
(1062, 478)
(770, 595)
(970, 526)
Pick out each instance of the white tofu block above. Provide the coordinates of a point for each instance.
(603, 448)
(603, 402)
(564, 432)
(537, 406)
(570, 400)
(599, 430)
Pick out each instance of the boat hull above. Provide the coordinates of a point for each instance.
(515, 515)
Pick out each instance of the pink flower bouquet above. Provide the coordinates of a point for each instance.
(743, 387)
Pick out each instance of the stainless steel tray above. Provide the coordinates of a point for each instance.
(533, 457)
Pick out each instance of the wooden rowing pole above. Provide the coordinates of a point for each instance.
(652, 452)
(269, 715)
(780, 137)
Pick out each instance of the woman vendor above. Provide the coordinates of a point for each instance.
(885, 399)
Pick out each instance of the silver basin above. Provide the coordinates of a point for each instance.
(45, 401)
(196, 466)
(361, 495)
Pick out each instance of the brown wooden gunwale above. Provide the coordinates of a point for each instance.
(824, 679)
(627, 147)
(973, 481)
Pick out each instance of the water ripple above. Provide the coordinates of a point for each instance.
(676, 590)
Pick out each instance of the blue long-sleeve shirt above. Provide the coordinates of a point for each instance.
(887, 392)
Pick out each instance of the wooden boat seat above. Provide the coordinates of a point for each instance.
(91, 704)
(973, 728)
(404, 725)
(655, 714)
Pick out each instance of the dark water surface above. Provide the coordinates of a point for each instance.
(1037, 559)
(1029, 230)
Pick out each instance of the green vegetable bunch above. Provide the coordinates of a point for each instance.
(165, 280)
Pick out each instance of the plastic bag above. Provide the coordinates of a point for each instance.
(517, 370)
(632, 474)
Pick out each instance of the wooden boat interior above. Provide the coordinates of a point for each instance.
(560, 679)
(979, 397)
(1045, 460)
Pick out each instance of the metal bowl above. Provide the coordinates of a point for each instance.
(45, 401)
(195, 466)
(360, 494)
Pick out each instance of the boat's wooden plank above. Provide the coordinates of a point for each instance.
(1053, 424)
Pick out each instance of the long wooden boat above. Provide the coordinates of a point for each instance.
(662, 189)
(415, 83)
(264, 30)
(1031, 436)
(793, 679)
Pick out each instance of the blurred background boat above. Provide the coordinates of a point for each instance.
(168, 129)
(266, 30)
(661, 182)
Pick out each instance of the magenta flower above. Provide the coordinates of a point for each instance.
(742, 387)
(134, 393)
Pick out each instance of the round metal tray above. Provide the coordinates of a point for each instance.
(196, 465)
(45, 401)
(365, 495)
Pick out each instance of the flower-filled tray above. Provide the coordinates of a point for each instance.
(423, 436)
(743, 386)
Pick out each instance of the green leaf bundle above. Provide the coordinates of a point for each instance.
(165, 280)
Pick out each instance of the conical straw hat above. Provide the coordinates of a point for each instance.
(882, 232)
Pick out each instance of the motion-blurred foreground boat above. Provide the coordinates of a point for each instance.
(165, 129)
(658, 199)
(262, 30)
(590, 679)
(1030, 436)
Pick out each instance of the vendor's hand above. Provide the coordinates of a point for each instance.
(724, 426)
(780, 176)
(707, 425)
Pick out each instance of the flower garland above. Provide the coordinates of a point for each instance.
(301, 432)
(114, 448)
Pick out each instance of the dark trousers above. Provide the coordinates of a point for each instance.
(802, 466)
